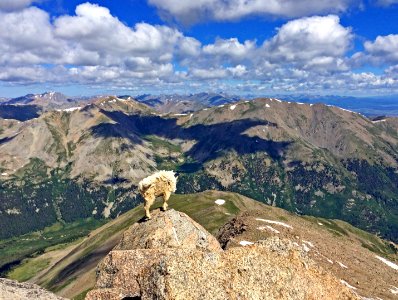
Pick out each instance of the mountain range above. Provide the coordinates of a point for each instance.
(185, 103)
(86, 161)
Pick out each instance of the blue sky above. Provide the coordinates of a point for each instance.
(257, 47)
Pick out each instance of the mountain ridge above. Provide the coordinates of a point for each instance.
(312, 159)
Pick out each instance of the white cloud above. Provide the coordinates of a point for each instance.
(189, 47)
(387, 2)
(95, 29)
(230, 50)
(237, 71)
(201, 10)
(310, 42)
(26, 37)
(94, 48)
(383, 49)
(12, 5)
(209, 73)
(92, 38)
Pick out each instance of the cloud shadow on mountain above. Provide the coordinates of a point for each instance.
(19, 112)
(212, 140)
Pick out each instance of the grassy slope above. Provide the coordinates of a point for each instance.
(71, 272)
(19, 248)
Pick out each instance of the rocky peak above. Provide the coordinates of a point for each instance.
(173, 257)
(10, 289)
(170, 229)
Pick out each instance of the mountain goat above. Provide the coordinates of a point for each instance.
(162, 183)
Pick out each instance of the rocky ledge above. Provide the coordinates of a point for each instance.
(173, 257)
(14, 290)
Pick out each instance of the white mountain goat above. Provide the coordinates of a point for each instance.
(162, 183)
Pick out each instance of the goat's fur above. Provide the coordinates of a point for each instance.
(162, 183)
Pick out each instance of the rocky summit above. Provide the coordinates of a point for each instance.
(14, 290)
(173, 257)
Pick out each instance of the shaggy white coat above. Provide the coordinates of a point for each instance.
(162, 183)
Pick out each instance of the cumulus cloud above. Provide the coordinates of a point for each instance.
(95, 28)
(230, 49)
(26, 37)
(310, 43)
(386, 3)
(94, 48)
(12, 5)
(383, 49)
(203, 10)
(91, 38)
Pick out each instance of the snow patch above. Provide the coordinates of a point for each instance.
(387, 262)
(267, 105)
(70, 109)
(246, 101)
(4, 174)
(378, 121)
(347, 284)
(319, 223)
(269, 228)
(205, 109)
(329, 260)
(342, 265)
(278, 100)
(190, 116)
(245, 243)
(232, 107)
(300, 103)
(346, 110)
(220, 202)
(179, 114)
(275, 222)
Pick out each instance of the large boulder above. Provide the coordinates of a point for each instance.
(14, 290)
(155, 261)
(170, 229)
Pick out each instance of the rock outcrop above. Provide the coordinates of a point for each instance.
(170, 229)
(14, 290)
(173, 257)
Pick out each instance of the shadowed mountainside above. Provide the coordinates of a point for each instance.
(213, 139)
(20, 113)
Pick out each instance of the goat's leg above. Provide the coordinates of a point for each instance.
(166, 196)
(147, 206)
